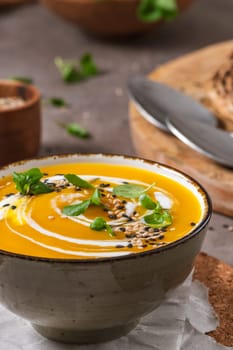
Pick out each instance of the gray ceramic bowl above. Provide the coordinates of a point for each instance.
(94, 301)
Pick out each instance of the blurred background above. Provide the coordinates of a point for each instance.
(32, 36)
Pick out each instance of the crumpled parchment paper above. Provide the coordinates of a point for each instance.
(179, 323)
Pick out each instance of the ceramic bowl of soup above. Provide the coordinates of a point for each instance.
(91, 243)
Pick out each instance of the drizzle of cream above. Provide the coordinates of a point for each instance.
(165, 201)
(130, 208)
(67, 252)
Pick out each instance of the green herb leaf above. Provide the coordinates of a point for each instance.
(68, 70)
(40, 188)
(76, 130)
(78, 181)
(100, 224)
(158, 219)
(73, 71)
(76, 209)
(24, 80)
(130, 190)
(96, 197)
(147, 202)
(57, 102)
(110, 231)
(155, 10)
(148, 11)
(88, 66)
(29, 182)
(169, 8)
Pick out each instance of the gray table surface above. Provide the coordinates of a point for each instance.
(31, 37)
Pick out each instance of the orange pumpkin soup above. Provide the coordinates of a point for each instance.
(89, 211)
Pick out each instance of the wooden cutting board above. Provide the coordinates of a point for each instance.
(207, 76)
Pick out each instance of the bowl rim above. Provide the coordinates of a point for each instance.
(28, 103)
(203, 223)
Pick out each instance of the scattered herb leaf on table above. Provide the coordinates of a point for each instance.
(76, 130)
(73, 71)
(57, 102)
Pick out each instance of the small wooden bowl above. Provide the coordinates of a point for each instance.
(107, 18)
(19, 126)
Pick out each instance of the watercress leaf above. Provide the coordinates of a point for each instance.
(147, 202)
(76, 209)
(78, 181)
(57, 102)
(68, 70)
(40, 188)
(98, 224)
(128, 190)
(158, 219)
(33, 175)
(96, 197)
(167, 5)
(110, 231)
(88, 66)
(20, 181)
(148, 11)
(25, 179)
(24, 80)
(169, 8)
(76, 130)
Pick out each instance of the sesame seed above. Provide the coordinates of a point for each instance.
(112, 216)
(120, 207)
(5, 205)
(119, 246)
(192, 223)
(13, 207)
